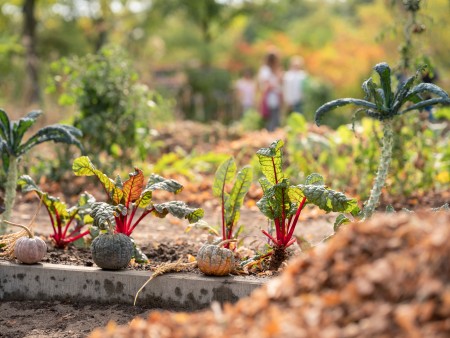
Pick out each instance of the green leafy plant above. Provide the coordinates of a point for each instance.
(67, 223)
(383, 104)
(114, 109)
(282, 203)
(125, 198)
(12, 148)
(231, 203)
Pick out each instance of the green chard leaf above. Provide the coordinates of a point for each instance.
(271, 160)
(329, 200)
(340, 220)
(236, 199)
(157, 182)
(103, 215)
(276, 201)
(53, 204)
(145, 199)
(82, 166)
(314, 179)
(178, 209)
(224, 174)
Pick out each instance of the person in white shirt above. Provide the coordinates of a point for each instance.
(269, 82)
(246, 91)
(293, 85)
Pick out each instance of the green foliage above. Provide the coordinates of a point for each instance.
(231, 202)
(282, 202)
(12, 133)
(114, 109)
(62, 218)
(12, 148)
(189, 165)
(126, 197)
(382, 104)
(251, 120)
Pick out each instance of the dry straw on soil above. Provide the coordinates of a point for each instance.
(389, 277)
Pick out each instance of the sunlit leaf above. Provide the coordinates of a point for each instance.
(224, 174)
(238, 192)
(132, 188)
(271, 160)
(82, 166)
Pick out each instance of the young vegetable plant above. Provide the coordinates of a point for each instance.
(383, 104)
(283, 203)
(67, 223)
(12, 149)
(125, 198)
(231, 203)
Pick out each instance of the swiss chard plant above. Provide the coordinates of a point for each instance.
(382, 104)
(12, 148)
(282, 203)
(69, 224)
(231, 202)
(126, 198)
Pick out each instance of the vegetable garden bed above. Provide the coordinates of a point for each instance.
(181, 291)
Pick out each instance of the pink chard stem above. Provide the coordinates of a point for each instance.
(297, 215)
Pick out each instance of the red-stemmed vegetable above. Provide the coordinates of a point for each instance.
(68, 223)
(283, 203)
(231, 203)
(126, 198)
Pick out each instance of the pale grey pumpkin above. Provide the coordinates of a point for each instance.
(112, 251)
(29, 250)
(214, 260)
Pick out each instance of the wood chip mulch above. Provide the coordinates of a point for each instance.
(389, 277)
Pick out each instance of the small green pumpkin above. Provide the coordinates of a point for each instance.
(112, 251)
(213, 260)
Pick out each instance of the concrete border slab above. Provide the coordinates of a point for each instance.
(176, 291)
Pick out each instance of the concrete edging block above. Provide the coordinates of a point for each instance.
(176, 291)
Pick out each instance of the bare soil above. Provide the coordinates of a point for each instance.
(36, 319)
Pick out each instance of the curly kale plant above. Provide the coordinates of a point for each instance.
(383, 104)
(12, 148)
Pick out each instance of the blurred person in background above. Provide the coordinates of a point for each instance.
(270, 86)
(246, 91)
(293, 85)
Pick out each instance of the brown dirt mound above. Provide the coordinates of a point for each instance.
(389, 277)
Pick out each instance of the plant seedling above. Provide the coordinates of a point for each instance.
(383, 104)
(231, 203)
(67, 223)
(12, 149)
(125, 198)
(283, 203)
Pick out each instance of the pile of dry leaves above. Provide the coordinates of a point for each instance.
(389, 277)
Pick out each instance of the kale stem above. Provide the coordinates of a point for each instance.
(383, 169)
(10, 191)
